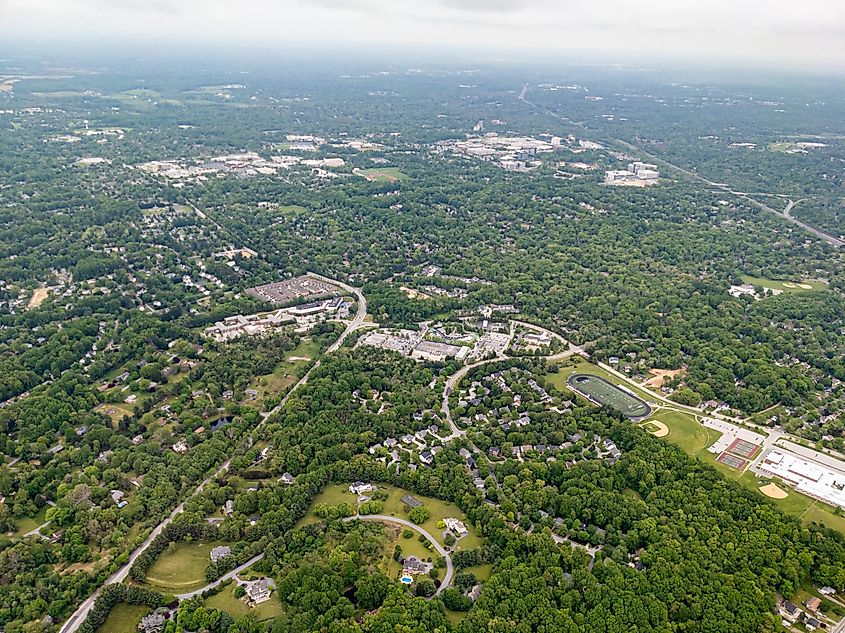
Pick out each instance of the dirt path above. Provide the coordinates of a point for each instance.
(38, 297)
(659, 375)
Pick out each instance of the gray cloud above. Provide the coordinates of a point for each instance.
(775, 31)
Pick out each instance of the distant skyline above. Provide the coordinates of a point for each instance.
(777, 33)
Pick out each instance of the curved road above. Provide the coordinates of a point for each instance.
(223, 578)
(830, 239)
(78, 617)
(450, 569)
(455, 378)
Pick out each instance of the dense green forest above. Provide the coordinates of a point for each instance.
(140, 202)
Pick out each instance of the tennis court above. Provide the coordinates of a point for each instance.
(731, 460)
(743, 448)
(602, 392)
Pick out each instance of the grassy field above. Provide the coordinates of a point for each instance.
(559, 378)
(285, 373)
(383, 174)
(307, 348)
(226, 601)
(608, 394)
(694, 438)
(819, 512)
(393, 506)
(183, 569)
(27, 524)
(482, 572)
(124, 618)
(117, 411)
(785, 286)
(410, 547)
(686, 432)
(289, 208)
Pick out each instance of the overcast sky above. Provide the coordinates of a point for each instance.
(809, 33)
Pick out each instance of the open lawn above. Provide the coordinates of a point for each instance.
(686, 432)
(123, 618)
(393, 506)
(116, 412)
(226, 601)
(383, 174)
(410, 547)
(560, 378)
(606, 393)
(694, 439)
(183, 569)
(482, 572)
(27, 524)
(289, 209)
(807, 285)
(819, 512)
(307, 348)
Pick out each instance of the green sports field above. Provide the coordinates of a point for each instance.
(607, 394)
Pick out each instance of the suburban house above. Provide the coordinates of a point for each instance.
(455, 526)
(359, 488)
(220, 552)
(789, 611)
(258, 591)
(154, 622)
(413, 565)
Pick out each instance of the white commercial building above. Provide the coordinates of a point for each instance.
(811, 478)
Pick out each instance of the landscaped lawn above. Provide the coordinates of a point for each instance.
(382, 174)
(118, 410)
(27, 524)
(226, 601)
(482, 572)
(124, 618)
(686, 432)
(393, 506)
(183, 569)
(410, 547)
(785, 286)
(559, 378)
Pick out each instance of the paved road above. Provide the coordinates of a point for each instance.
(37, 531)
(833, 458)
(453, 380)
(830, 239)
(223, 578)
(78, 617)
(450, 569)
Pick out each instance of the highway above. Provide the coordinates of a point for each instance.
(785, 214)
(450, 569)
(78, 617)
(830, 239)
